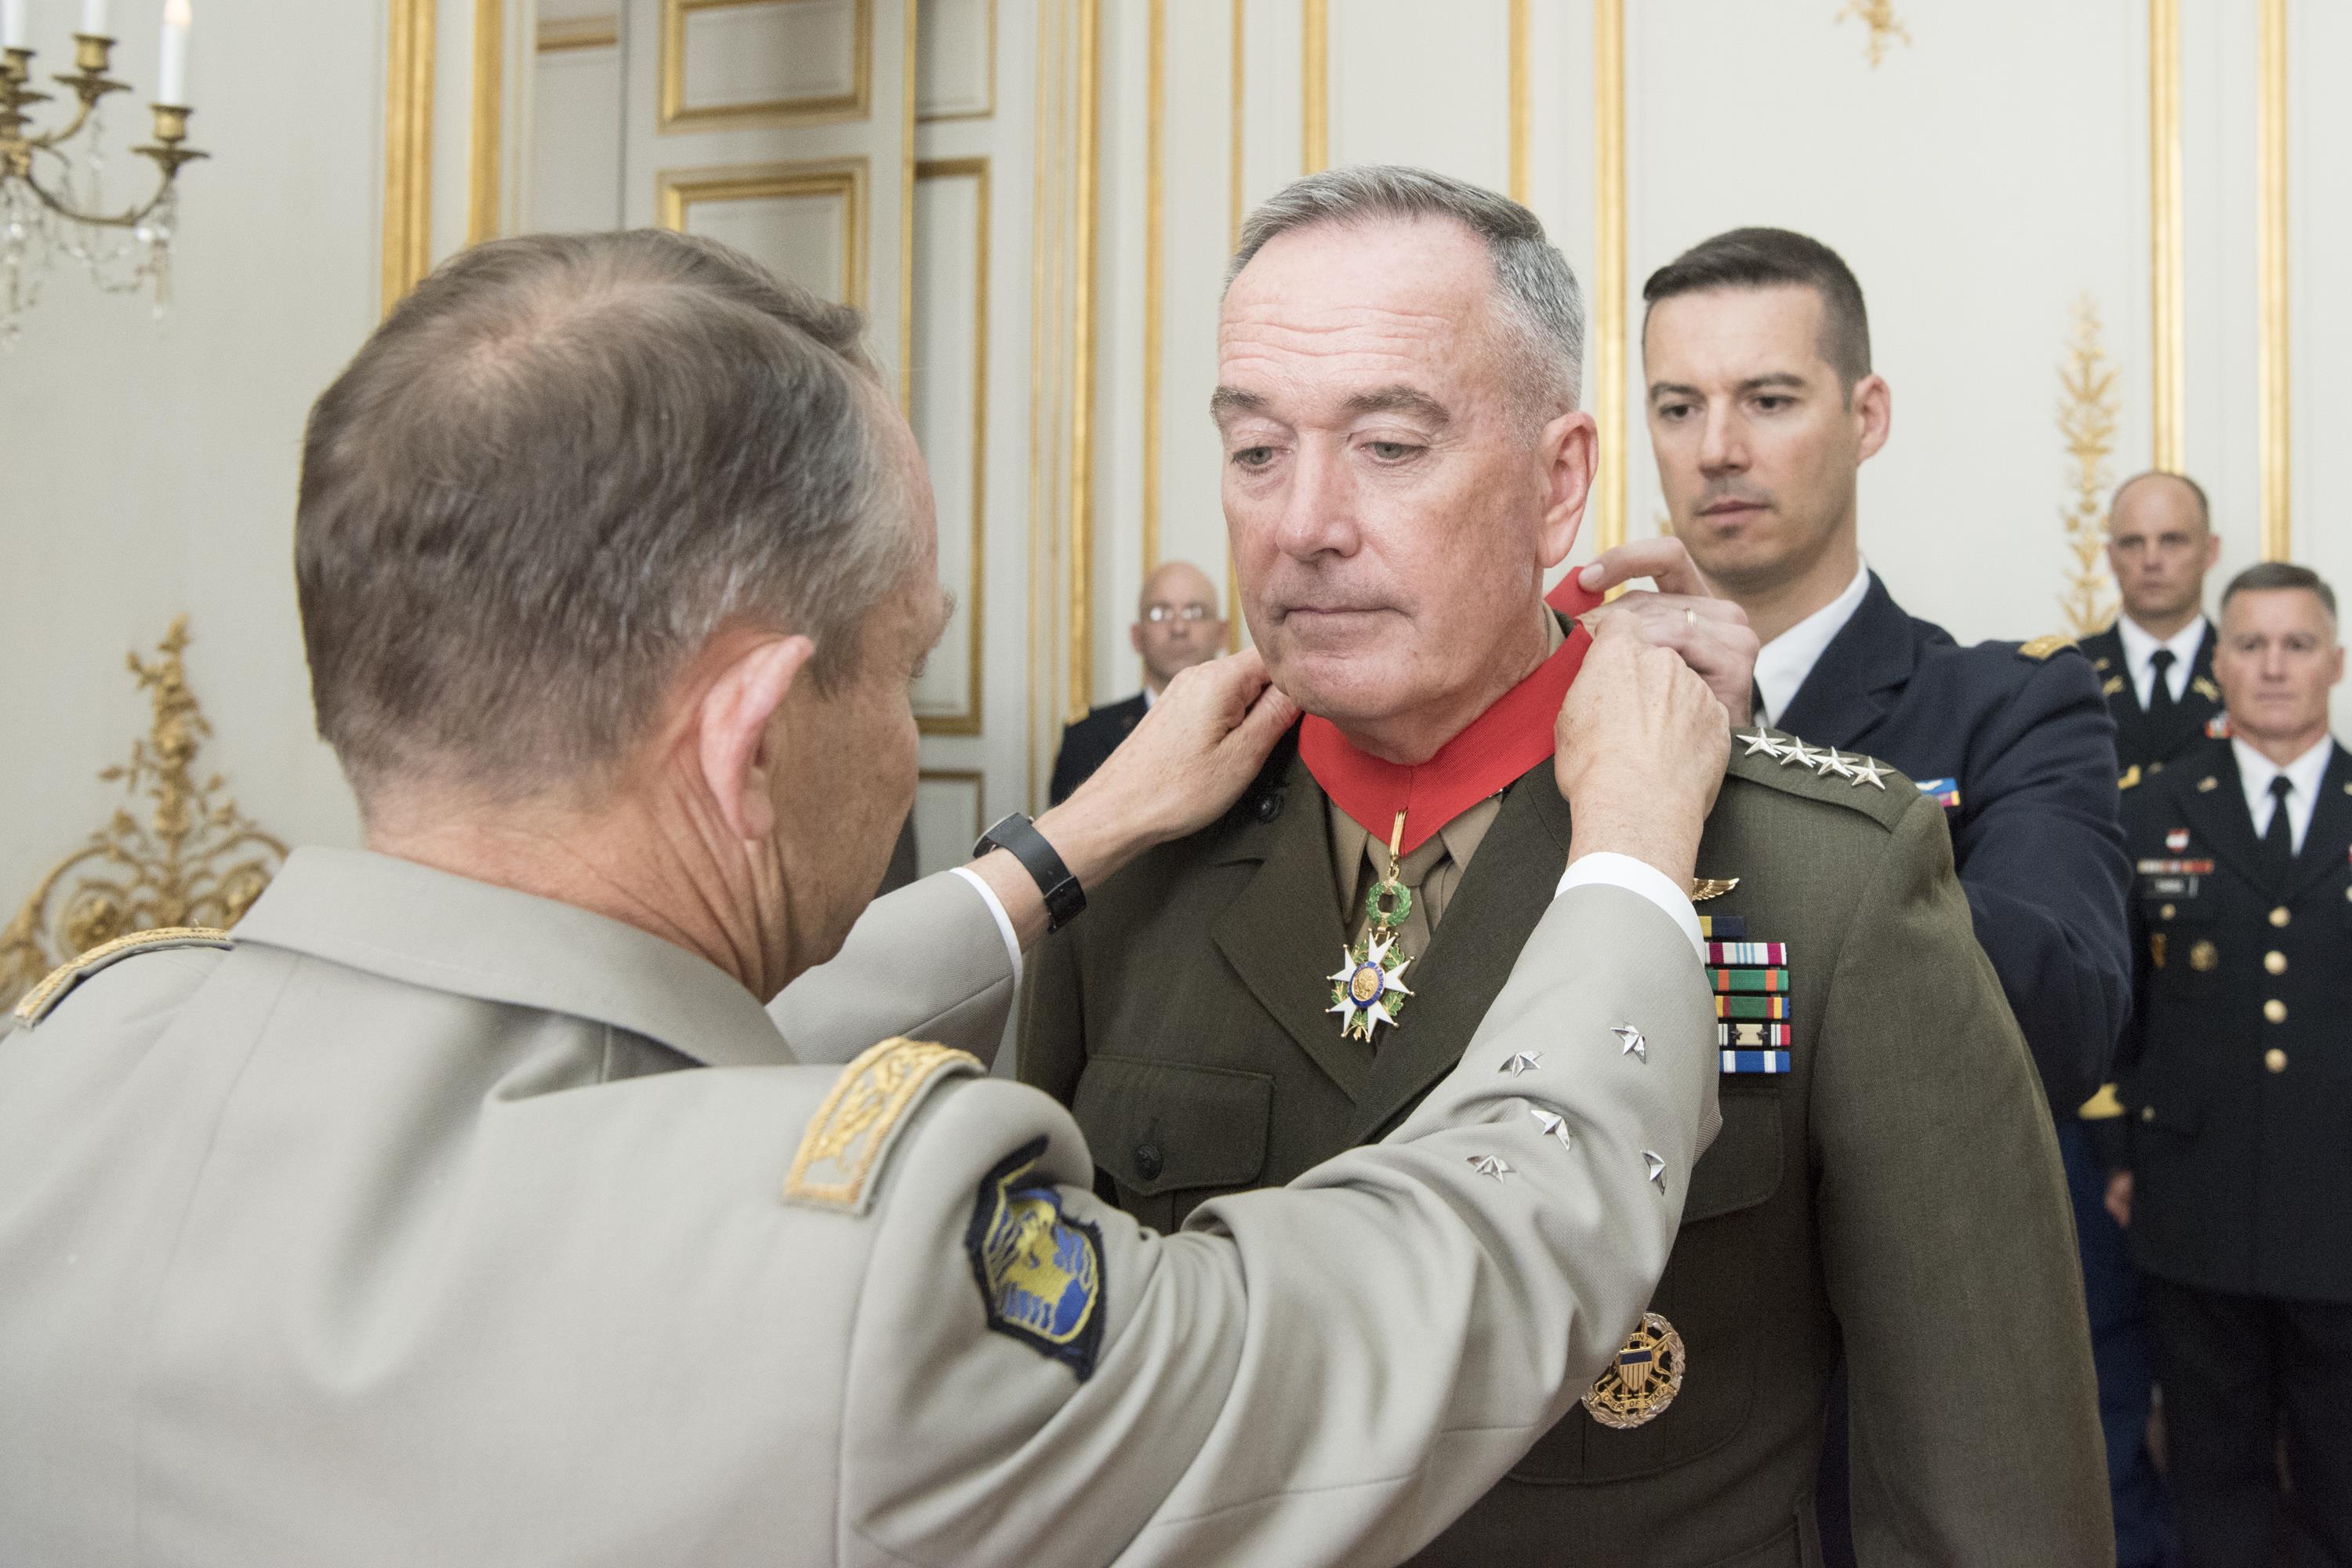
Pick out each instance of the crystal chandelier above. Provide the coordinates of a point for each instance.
(53, 201)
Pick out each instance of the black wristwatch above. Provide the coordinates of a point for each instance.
(1018, 836)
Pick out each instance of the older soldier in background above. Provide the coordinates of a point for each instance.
(465, 1206)
(1177, 625)
(2236, 1076)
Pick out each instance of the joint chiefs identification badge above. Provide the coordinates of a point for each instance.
(1040, 1273)
(1642, 1381)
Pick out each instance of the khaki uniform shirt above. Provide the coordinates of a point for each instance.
(434, 1223)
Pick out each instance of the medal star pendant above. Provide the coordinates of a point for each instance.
(1367, 989)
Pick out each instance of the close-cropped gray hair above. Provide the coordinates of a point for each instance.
(1542, 306)
(562, 466)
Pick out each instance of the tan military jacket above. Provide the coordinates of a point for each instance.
(400, 1234)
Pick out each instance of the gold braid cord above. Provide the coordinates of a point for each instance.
(1884, 25)
(2086, 423)
(194, 861)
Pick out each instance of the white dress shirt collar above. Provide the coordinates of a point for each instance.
(1782, 664)
(2304, 775)
(2139, 652)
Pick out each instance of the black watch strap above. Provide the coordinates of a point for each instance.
(1018, 836)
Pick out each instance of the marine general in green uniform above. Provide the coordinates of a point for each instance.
(1398, 361)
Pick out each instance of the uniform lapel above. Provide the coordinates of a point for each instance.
(1283, 933)
(2219, 816)
(1846, 691)
(2331, 825)
(1501, 896)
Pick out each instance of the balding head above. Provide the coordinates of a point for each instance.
(1177, 623)
(2160, 544)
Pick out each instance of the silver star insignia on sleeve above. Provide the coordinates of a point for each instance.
(1657, 1169)
(1553, 1126)
(1489, 1165)
(1866, 771)
(1635, 1046)
(1760, 741)
(1834, 764)
(1795, 751)
(1524, 1061)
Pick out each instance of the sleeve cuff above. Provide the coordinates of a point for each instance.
(1012, 941)
(1613, 870)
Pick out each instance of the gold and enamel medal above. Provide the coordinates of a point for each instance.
(1367, 989)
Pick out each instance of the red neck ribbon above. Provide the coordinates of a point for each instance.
(1500, 744)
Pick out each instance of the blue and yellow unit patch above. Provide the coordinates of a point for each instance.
(1751, 981)
(1040, 1272)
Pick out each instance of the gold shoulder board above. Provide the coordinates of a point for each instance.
(37, 1002)
(851, 1134)
(2043, 647)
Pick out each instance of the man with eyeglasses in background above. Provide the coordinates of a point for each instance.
(1177, 625)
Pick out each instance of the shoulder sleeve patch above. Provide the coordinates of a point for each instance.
(1040, 1272)
(851, 1134)
(2043, 647)
(37, 1002)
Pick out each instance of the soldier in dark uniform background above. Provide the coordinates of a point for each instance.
(2012, 738)
(1177, 625)
(2156, 670)
(2236, 1078)
(2155, 662)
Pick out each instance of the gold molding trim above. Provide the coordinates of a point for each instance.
(195, 861)
(1520, 100)
(485, 147)
(2168, 328)
(1609, 269)
(408, 149)
(1046, 212)
(1082, 365)
(562, 34)
(967, 722)
(2276, 383)
(1884, 25)
(1155, 266)
(2088, 417)
(989, 110)
(677, 191)
(1234, 202)
(910, 19)
(675, 115)
(1314, 85)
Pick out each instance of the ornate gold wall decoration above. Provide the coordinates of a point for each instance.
(2086, 423)
(1879, 16)
(194, 860)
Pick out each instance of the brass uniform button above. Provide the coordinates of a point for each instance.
(2274, 1059)
(2275, 961)
(2167, 911)
(2148, 1113)
(2275, 1010)
(2204, 957)
(2279, 916)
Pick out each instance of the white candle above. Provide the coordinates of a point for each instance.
(12, 24)
(172, 81)
(94, 19)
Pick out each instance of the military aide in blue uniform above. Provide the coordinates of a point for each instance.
(1763, 408)
(2236, 1076)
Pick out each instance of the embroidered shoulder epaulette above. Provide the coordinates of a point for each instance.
(2043, 647)
(37, 1002)
(850, 1136)
(1782, 761)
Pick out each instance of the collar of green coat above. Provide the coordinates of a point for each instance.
(1283, 933)
(409, 922)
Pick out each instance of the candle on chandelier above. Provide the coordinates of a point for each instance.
(172, 81)
(94, 19)
(12, 24)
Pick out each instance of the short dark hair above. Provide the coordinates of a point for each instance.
(1766, 258)
(560, 465)
(2269, 576)
(2204, 507)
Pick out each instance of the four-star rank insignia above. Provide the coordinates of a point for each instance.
(1367, 989)
(1643, 1378)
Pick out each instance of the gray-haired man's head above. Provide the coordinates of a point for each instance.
(1398, 363)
